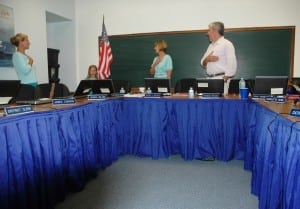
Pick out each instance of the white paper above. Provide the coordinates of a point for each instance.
(276, 90)
(162, 89)
(105, 90)
(205, 85)
(4, 100)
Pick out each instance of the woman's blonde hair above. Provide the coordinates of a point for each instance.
(161, 44)
(89, 70)
(15, 40)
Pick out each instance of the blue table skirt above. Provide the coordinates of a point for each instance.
(273, 156)
(192, 128)
(45, 155)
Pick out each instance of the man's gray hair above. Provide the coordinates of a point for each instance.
(218, 26)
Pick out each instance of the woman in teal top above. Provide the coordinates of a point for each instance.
(21, 61)
(162, 65)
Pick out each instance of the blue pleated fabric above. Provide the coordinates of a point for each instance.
(273, 155)
(45, 155)
(192, 128)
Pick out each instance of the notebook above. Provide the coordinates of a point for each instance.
(4, 102)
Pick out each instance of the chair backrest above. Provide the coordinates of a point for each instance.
(234, 86)
(43, 90)
(118, 84)
(26, 92)
(9, 88)
(296, 80)
(60, 90)
(183, 85)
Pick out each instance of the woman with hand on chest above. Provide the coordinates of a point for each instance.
(22, 62)
(162, 65)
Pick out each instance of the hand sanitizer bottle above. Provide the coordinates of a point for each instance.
(122, 90)
(148, 91)
(242, 83)
(191, 92)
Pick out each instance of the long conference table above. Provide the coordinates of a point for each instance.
(55, 150)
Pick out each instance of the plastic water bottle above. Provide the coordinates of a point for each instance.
(148, 91)
(191, 92)
(242, 83)
(122, 90)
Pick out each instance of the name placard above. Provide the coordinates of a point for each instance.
(270, 99)
(280, 99)
(97, 96)
(149, 95)
(295, 112)
(9, 111)
(260, 96)
(117, 94)
(211, 94)
(69, 101)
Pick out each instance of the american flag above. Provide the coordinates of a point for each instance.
(105, 55)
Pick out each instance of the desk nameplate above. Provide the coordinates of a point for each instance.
(295, 112)
(152, 95)
(97, 96)
(69, 101)
(9, 111)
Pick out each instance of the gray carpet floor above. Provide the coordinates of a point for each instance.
(143, 183)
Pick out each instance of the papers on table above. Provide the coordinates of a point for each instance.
(134, 95)
(5, 100)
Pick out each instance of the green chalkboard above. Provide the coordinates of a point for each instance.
(259, 51)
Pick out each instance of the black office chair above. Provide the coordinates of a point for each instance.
(294, 85)
(296, 81)
(183, 85)
(234, 86)
(60, 90)
(250, 83)
(26, 92)
(118, 84)
(43, 90)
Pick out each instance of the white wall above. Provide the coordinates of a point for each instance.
(132, 16)
(61, 36)
(30, 18)
(80, 35)
(64, 8)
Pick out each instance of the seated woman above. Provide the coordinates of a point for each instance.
(162, 65)
(92, 73)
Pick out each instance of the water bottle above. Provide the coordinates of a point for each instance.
(148, 91)
(242, 83)
(191, 92)
(122, 90)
